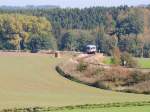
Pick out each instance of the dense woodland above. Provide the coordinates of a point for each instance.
(127, 28)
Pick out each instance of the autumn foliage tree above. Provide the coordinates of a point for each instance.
(16, 30)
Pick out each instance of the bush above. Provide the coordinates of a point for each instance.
(128, 61)
(100, 84)
(116, 56)
(136, 77)
(98, 71)
(141, 88)
(82, 66)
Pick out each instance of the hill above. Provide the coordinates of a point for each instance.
(31, 80)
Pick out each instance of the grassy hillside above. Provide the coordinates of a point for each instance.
(27, 81)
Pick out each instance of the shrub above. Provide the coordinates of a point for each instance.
(130, 62)
(134, 78)
(82, 66)
(100, 84)
(98, 71)
(141, 87)
(116, 56)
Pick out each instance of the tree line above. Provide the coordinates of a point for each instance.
(21, 32)
(126, 28)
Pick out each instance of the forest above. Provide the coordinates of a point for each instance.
(126, 28)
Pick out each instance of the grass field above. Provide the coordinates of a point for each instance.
(142, 62)
(27, 81)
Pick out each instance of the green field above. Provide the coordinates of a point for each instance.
(28, 81)
(142, 62)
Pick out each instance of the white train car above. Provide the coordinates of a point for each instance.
(91, 49)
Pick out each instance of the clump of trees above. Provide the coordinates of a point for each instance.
(76, 40)
(123, 59)
(20, 32)
(41, 42)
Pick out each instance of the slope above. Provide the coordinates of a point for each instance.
(27, 81)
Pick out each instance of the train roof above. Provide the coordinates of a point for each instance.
(91, 46)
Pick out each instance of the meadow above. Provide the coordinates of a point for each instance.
(29, 81)
(142, 62)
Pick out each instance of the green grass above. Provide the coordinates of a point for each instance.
(144, 62)
(29, 81)
(90, 108)
(112, 109)
(108, 60)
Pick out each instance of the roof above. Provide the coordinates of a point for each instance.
(91, 46)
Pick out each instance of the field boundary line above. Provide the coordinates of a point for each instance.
(86, 106)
